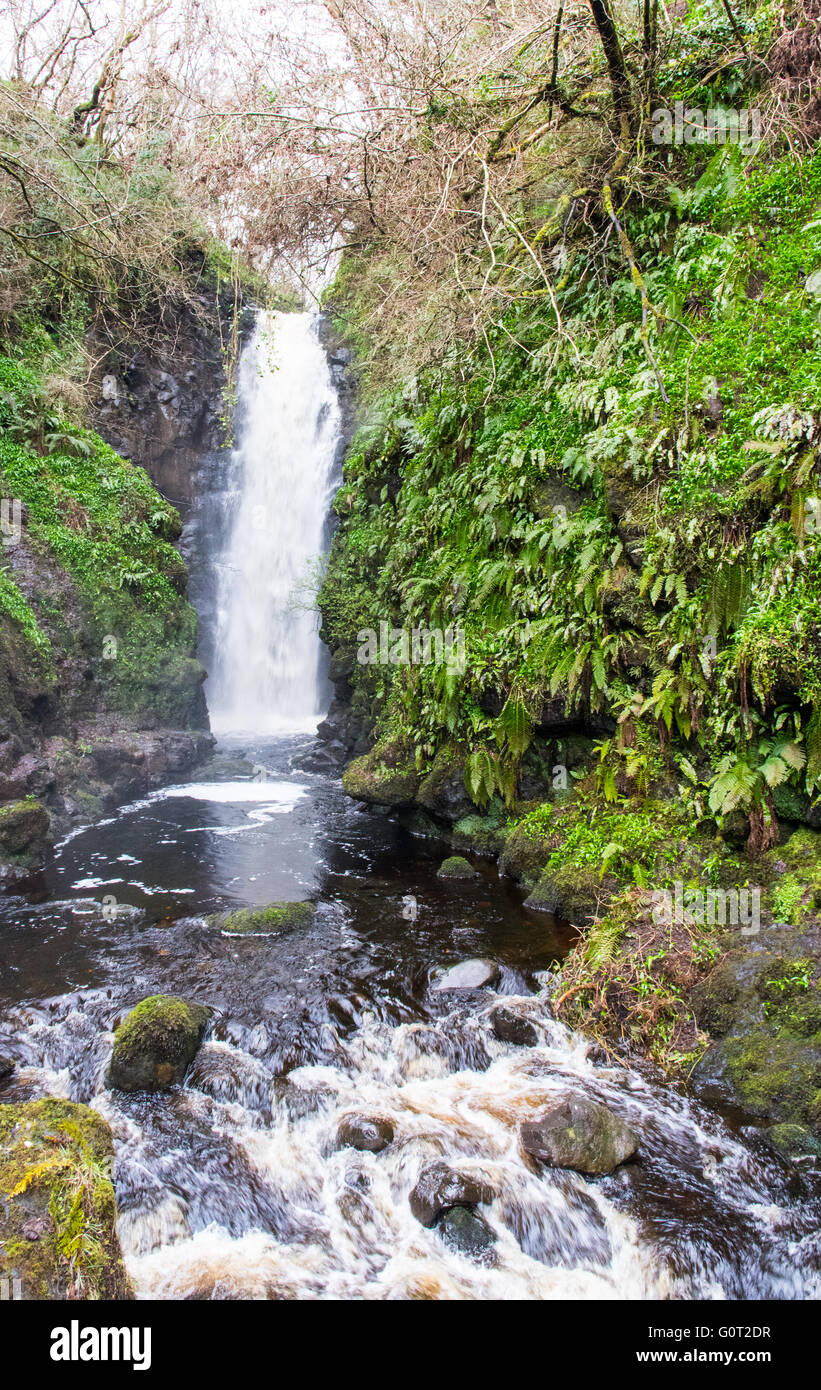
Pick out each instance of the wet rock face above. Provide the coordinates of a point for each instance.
(156, 1044)
(162, 407)
(762, 1006)
(24, 839)
(579, 1134)
(439, 1187)
(368, 1133)
(58, 1223)
(466, 1232)
(468, 974)
(511, 1027)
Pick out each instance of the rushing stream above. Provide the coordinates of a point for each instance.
(234, 1186)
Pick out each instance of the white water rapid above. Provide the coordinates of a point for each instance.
(266, 676)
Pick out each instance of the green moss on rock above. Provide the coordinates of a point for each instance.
(156, 1043)
(385, 777)
(571, 893)
(58, 1215)
(457, 867)
(23, 827)
(262, 921)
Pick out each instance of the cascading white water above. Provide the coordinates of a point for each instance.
(266, 675)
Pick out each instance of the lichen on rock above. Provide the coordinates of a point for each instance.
(58, 1233)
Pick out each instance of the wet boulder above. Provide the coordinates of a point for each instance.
(443, 791)
(156, 1043)
(457, 867)
(466, 1231)
(468, 974)
(24, 839)
(264, 921)
(58, 1222)
(23, 827)
(368, 1133)
(439, 1187)
(7, 1066)
(579, 1134)
(386, 776)
(512, 1027)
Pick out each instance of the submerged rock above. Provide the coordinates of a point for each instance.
(156, 1043)
(7, 1066)
(58, 1220)
(465, 1231)
(511, 1027)
(579, 1134)
(261, 921)
(468, 974)
(457, 867)
(439, 1187)
(369, 1133)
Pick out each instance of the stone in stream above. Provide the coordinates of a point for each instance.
(369, 1133)
(262, 921)
(55, 1161)
(794, 1141)
(7, 1066)
(579, 1134)
(156, 1043)
(469, 974)
(465, 1231)
(457, 867)
(511, 1027)
(439, 1187)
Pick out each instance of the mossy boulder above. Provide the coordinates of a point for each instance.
(762, 1006)
(457, 867)
(483, 834)
(58, 1215)
(570, 893)
(264, 921)
(526, 851)
(443, 791)
(386, 776)
(156, 1043)
(794, 1141)
(23, 827)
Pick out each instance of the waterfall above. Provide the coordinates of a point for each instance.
(266, 674)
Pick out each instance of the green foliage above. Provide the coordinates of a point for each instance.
(514, 496)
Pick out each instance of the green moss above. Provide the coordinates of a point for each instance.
(456, 867)
(155, 1044)
(58, 1217)
(385, 776)
(276, 917)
